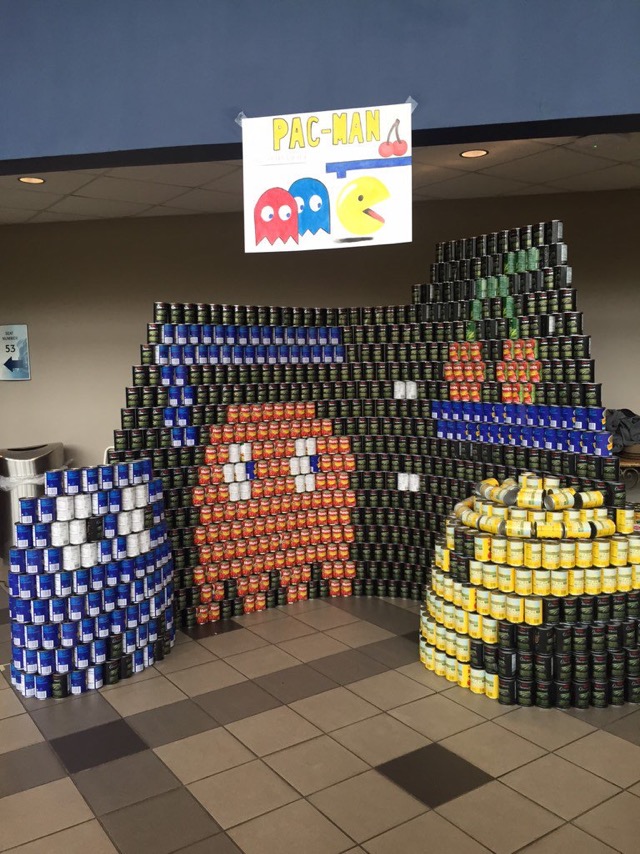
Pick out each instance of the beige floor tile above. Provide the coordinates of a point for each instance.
(18, 731)
(205, 677)
(203, 754)
(478, 703)
(243, 793)
(390, 689)
(550, 728)
(367, 805)
(82, 838)
(310, 647)
(560, 786)
(283, 630)
(499, 818)
(616, 822)
(10, 705)
(316, 764)
(379, 739)
(359, 634)
(436, 717)
(259, 662)
(428, 832)
(142, 696)
(420, 673)
(606, 755)
(567, 840)
(333, 709)
(273, 730)
(491, 748)
(184, 655)
(293, 829)
(329, 618)
(232, 643)
(258, 618)
(40, 811)
(146, 676)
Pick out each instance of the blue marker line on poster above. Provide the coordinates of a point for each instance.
(14, 352)
(341, 168)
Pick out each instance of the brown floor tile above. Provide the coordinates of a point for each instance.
(478, 703)
(292, 829)
(627, 727)
(334, 709)
(492, 748)
(367, 805)
(28, 767)
(602, 717)
(393, 652)
(359, 634)
(348, 666)
(380, 612)
(150, 827)
(91, 747)
(274, 730)
(124, 782)
(560, 786)
(82, 837)
(37, 812)
(16, 732)
(205, 677)
(295, 683)
(616, 822)
(428, 832)
(142, 696)
(283, 630)
(550, 728)
(436, 717)
(325, 619)
(566, 840)
(419, 673)
(209, 630)
(310, 647)
(219, 844)
(258, 618)
(233, 643)
(606, 755)
(379, 739)
(10, 705)
(316, 764)
(236, 702)
(185, 655)
(242, 793)
(88, 710)
(390, 689)
(171, 723)
(204, 754)
(259, 662)
(489, 815)
(433, 774)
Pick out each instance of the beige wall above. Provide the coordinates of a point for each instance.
(86, 290)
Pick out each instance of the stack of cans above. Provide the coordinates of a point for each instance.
(91, 581)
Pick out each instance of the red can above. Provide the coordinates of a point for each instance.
(346, 587)
(202, 614)
(292, 594)
(249, 604)
(334, 588)
(243, 586)
(199, 574)
(218, 591)
(214, 612)
(261, 601)
(197, 496)
(206, 594)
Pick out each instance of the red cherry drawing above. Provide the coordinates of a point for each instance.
(386, 149)
(397, 147)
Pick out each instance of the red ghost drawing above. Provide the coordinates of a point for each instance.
(276, 216)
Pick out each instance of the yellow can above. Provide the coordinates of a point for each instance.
(448, 615)
(457, 594)
(489, 630)
(524, 582)
(529, 480)
(440, 663)
(482, 547)
(587, 514)
(475, 571)
(490, 524)
(559, 582)
(609, 579)
(550, 554)
(515, 608)
(476, 680)
(490, 576)
(578, 530)
(576, 581)
(601, 513)
(518, 528)
(600, 551)
(541, 582)
(584, 554)
(550, 481)
(464, 674)
(446, 560)
(625, 519)
(619, 550)
(635, 569)
(491, 685)
(437, 581)
(515, 552)
(451, 669)
(441, 637)
(468, 597)
(554, 516)
(625, 579)
(450, 644)
(538, 517)
(567, 554)
(530, 498)
(430, 658)
(593, 581)
(463, 648)
(593, 498)
(533, 610)
(447, 589)
(633, 553)
(462, 621)
(550, 530)
(570, 516)
(532, 554)
(500, 511)
(498, 604)
(559, 499)
(506, 579)
(483, 605)
(498, 550)
(475, 626)
(439, 610)
(518, 514)
(604, 527)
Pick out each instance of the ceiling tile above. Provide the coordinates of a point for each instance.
(423, 176)
(96, 208)
(160, 210)
(9, 215)
(53, 216)
(622, 147)
(622, 176)
(534, 190)
(499, 152)
(23, 197)
(122, 190)
(179, 174)
(549, 165)
(557, 140)
(55, 182)
(472, 186)
(229, 183)
(207, 201)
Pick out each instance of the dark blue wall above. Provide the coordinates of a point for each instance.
(84, 76)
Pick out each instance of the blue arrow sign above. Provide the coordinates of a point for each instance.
(16, 364)
(14, 352)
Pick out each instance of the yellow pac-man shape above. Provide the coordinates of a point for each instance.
(355, 205)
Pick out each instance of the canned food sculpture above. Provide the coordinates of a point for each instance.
(534, 597)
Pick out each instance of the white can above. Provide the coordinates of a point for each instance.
(403, 481)
(142, 495)
(133, 545)
(311, 446)
(70, 558)
(137, 520)
(239, 472)
(301, 447)
(305, 465)
(59, 534)
(294, 466)
(64, 508)
(82, 506)
(144, 538)
(234, 453)
(245, 490)
(414, 483)
(124, 524)
(411, 390)
(234, 491)
(399, 390)
(246, 452)
(300, 485)
(227, 473)
(88, 555)
(309, 482)
(128, 498)
(77, 531)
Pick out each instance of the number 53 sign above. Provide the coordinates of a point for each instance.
(14, 352)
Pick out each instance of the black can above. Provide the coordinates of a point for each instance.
(581, 694)
(525, 692)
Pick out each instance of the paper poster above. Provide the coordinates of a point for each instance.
(327, 180)
(14, 352)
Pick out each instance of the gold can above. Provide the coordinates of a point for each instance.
(593, 498)
(518, 528)
(532, 554)
(500, 511)
(625, 579)
(448, 615)
(567, 554)
(447, 589)
(450, 644)
(457, 594)
(524, 582)
(541, 582)
(600, 551)
(560, 582)
(550, 554)
(475, 625)
(533, 611)
(609, 579)
(593, 581)
(619, 550)
(498, 603)
(462, 621)
(576, 581)
(635, 579)
(515, 608)
(450, 534)
(515, 552)
(578, 530)
(604, 527)
(490, 524)
(437, 581)
(468, 597)
(464, 674)
(491, 685)
(451, 669)
(530, 498)
(498, 550)
(584, 554)
(633, 552)
(446, 560)
(550, 530)
(441, 637)
(476, 680)
(463, 648)
(601, 513)
(489, 630)
(440, 663)
(482, 547)
(483, 605)
(430, 658)
(506, 579)
(439, 610)
(475, 571)
(490, 576)
(625, 519)
(560, 499)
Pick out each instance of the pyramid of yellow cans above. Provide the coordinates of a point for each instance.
(534, 597)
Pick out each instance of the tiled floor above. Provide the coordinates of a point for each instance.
(311, 728)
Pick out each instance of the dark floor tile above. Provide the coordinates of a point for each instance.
(4, 598)
(4, 616)
(350, 666)
(171, 723)
(235, 702)
(161, 825)
(220, 844)
(381, 613)
(210, 630)
(126, 781)
(434, 775)
(394, 652)
(97, 745)
(627, 727)
(84, 712)
(27, 768)
(5, 651)
(295, 683)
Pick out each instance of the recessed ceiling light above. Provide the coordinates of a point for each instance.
(474, 152)
(29, 179)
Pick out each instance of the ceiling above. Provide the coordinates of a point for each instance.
(512, 168)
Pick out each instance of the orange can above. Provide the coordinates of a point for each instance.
(346, 587)
(214, 612)
(334, 588)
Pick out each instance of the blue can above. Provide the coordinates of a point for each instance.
(191, 436)
(562, 440)
(510, 413)
(64, 660)
(46, 662)
(555, 416)
(162, 354)
(119, 548)
(152, 631)
(305, 354)
(63, 583)
(51, 636)
(42, 535)
(294, 353)
(219, 334)
(142, 635)
(90, 479)
(328, 353)
(120, 476)
(29, 683)
(237, 354)
(118, 619)
(52, 559)
(44, 586)
(214, 354)
(567, 417)
(97, 577)
(604, 444)
(102, 626)
(175, 354)
(104, 552)
(538, 437)
(33, 561)
(18, 635)
(588, 442)
(532, 415)
(78, 681)
(550, 438)
(113, 574)
(335, 335)
(175, 396)
(115, 502)
(132, 616)
(94, 603)
(149, 657)
(226, 354)
(46, 509)
(72, 481)
(24, 536)
(261, 354)
(137, 590)
(28, 511)
(105, 477)
(138, 661)
(127, 572)
(43, 685)
(76, 607)
(57, 610)
(140, 566)
(53, 483)
(167, 333)
(19, 609)
(109, 598)
(110, 527)
(580, 418)
(95, 677)
(169, 416)
(123, 595)
(207, 333)
(314, 463)
(31, 660)
(596, 418)
(181, 375)
(183, 418)
(194, 333)
(181, 333)
(85, 630)
(129, 640)
(177, 437)
(39, 611)
(100, 502)
(18, 658)
(515, 434)
(278, 335)
(272, 354)
(81, 579)
(17, 560)
(202, 354)
(81, 655)
(312, 335)
(33, 637)
(26, 586)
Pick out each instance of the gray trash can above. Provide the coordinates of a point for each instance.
(22, 476)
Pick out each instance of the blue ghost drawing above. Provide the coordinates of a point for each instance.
(312, 199)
